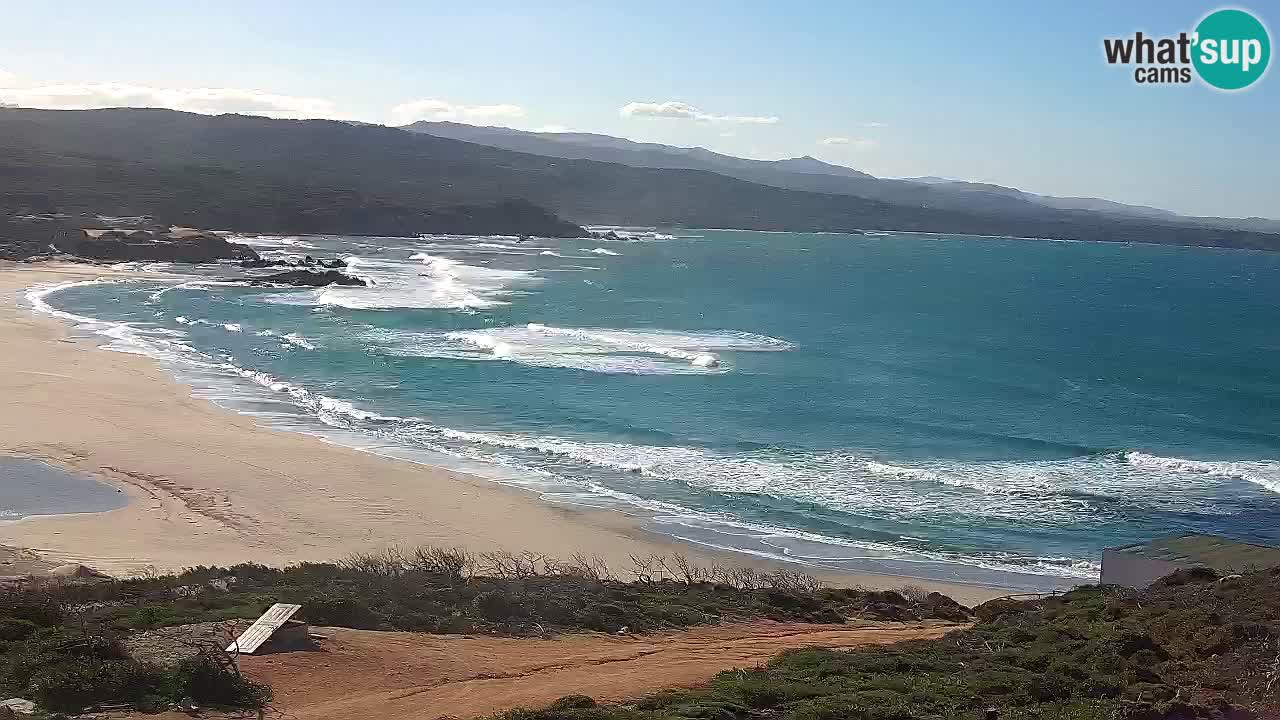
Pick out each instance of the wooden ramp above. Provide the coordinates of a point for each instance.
(262, 630)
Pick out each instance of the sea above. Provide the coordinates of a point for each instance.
(977, 409)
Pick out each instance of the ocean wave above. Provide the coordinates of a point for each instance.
(846, 482)
(271, 241)
(142, 267)
(1097, 490)
(433, 282)
(194, 285)
(603, 251)
(324, 407)
(1263, 474)
(232, 327)
(123, 337)
(298, 341)
(1035, 494)
(639, 352)
(746, 476)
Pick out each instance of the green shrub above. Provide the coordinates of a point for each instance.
(1091, 654)
(16, 629)
(206, 681)
(573, 702)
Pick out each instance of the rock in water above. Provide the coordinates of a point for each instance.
(307, 278)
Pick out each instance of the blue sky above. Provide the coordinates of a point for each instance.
(1014, 93)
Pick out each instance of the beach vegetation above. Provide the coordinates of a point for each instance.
(63, 644)
(65, 662)
(1192, 646)
(442, 590)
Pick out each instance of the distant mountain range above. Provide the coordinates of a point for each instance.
(316, 176)
(811, 174)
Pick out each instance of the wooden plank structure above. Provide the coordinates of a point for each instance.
(262, 630)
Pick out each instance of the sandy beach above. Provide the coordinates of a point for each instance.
(208, 486)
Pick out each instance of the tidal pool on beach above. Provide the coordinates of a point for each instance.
(30, 487)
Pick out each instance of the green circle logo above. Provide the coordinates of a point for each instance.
(1232, 49)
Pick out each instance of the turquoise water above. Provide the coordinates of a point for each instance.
(987, 409)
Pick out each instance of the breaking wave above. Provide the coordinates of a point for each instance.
(638, 352)
(1264, 474)
(431, 282)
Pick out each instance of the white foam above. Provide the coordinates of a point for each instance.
(445, 283)
(298, 341)
(271, 241)
(124, 337)
(603, 251)
(231, 327)
(833, 480)
(328, 409)
(641, 352)
(1264, 474)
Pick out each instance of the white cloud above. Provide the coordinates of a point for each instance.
(875, 125)
(211, 101)
(434, 109)
(684, 111)
(552, 129)
(6, 78)
(855, 143)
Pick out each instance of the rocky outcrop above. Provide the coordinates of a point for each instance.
(181, 245)
(308, 278)
(308, 261)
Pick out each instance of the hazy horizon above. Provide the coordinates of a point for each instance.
(1007, 94)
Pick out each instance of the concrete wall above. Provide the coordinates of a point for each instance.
(1135, 571)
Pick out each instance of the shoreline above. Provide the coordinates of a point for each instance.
(209, 486)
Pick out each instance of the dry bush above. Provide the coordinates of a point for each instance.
(507, 565)
(455, 564)
(914, 593)
(591, 568)
(389, 562)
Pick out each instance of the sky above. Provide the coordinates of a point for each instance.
(1013, 93)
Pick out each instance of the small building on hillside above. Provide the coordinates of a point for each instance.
(1139, 565)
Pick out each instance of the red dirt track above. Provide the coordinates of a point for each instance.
(359, 674)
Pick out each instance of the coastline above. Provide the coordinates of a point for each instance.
(208, 486)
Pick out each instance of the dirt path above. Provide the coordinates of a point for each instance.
(362, 674)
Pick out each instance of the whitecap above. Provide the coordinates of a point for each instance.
(640, 352)
(298, 341)
(431, 282)
(1261, 473)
